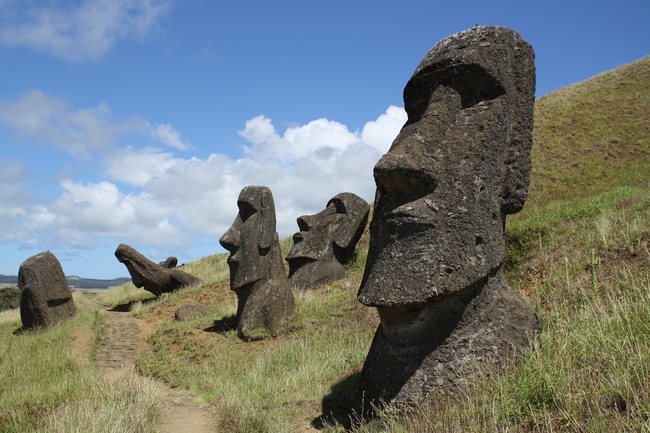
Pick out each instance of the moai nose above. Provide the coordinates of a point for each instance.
(400, 176)
(305, 223)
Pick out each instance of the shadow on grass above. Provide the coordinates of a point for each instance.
(338, 406)
(223, 325)
(20, 331)
(126, 307)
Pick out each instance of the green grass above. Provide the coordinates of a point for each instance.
(592, 136)
(47, 387)
(278, 384)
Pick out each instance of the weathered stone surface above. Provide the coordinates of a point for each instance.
(154, 278)
(170, 263)
(326, 241)
(14, 304)
(459, 165)
(257, 272)
(45, 297)
(191, 311)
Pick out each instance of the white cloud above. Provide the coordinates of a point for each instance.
(169, 136)
(80, 32)
(14, 196)
(321, 140)
(138, 167)
(304, 167)
(49, 120)
(85, 213)
(375, 132)
(177, 202)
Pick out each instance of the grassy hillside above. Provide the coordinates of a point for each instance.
(579, 252)
(592, 136)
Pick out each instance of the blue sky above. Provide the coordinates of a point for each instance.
(139, 121)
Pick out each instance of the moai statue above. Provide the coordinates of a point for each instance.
(169, 263)
(326, 241)
(459, 165)
(45, 297)
(257, 272)
(154, 278)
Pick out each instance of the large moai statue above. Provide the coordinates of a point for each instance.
(257, 272)
(154, 278)
(459, 165)
(45, 297)
(326, 241)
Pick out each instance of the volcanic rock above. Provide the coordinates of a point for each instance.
(154, 278)
(45, 297)
(257, 272)
(459, 165)
(326, 241)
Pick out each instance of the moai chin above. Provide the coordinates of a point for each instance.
(257, 272)
(326, 241)
(459, 165)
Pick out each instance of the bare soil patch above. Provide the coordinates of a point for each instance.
(211, 295)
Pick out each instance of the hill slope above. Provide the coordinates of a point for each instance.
(593, 135)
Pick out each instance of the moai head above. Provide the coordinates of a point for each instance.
(251, 238)
(326, 241)
(459, 165)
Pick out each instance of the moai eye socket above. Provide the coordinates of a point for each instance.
(246, 210)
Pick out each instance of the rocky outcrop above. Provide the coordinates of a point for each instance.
(154, 278)
(45, 297)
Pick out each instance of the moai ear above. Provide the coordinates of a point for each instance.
(516, 166)
(267, 220)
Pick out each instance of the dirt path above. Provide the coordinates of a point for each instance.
(116, 353)
(118, 346)
(184, 416)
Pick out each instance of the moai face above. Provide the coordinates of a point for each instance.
(330, 235)
(459, 165)
(251, 237)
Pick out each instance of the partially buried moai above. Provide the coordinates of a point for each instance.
(257, 272)
(326, 241)
(459, 165)
(45, 297)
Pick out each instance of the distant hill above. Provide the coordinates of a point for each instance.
(75, 281)
(8, 279)
(592, 136)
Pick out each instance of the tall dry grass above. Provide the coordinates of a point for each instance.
(48, 384)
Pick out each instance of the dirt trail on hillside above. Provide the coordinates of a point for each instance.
(118, 346)
(116, 354)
